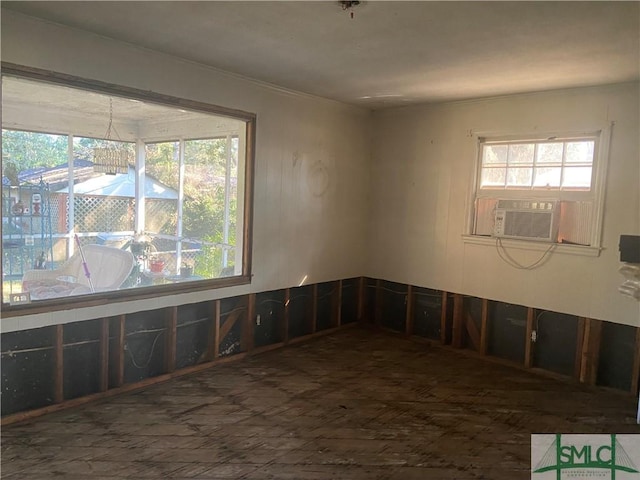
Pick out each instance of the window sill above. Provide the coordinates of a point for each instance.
(563, 248)
(119, 296)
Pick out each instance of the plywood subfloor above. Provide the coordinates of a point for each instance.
(354, 405)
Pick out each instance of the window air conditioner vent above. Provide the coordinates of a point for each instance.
(526, 220)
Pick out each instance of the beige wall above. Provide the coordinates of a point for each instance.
(423, 161)
(311, 157)
(338, 196)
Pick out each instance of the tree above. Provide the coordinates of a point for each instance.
(204, 190)
(31, 149)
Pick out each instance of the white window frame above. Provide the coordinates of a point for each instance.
(595, 194)
(534, 166)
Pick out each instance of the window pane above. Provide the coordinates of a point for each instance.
(580, 152)
(161, 196)
(104, 189)
(550, 153)
(200, 238)
(577, 177)
(28, 150)
(494, 154)
(210, 211)
(29, 219)
(521, 153)
(519, 177)
(493, 177)
(547, 177)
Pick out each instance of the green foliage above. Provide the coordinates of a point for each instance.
(30, 149)
(203, 207)
(162, 163)
(208, 263)
(204, 217)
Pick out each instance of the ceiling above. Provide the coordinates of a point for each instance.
(37, 96)
(390, 53)
(43, 107)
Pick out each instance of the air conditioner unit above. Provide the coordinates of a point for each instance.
(526, 220)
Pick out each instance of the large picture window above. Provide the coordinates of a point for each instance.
(106, 192)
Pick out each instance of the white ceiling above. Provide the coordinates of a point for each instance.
(39, 96)
(37, 106)
(391, 52)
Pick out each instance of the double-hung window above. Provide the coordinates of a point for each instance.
(526, 175)
(547, 165)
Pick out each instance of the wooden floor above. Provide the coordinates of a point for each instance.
(353, 405)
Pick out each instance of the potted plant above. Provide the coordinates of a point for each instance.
(186, 270)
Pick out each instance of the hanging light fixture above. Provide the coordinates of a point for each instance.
(113, 157)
